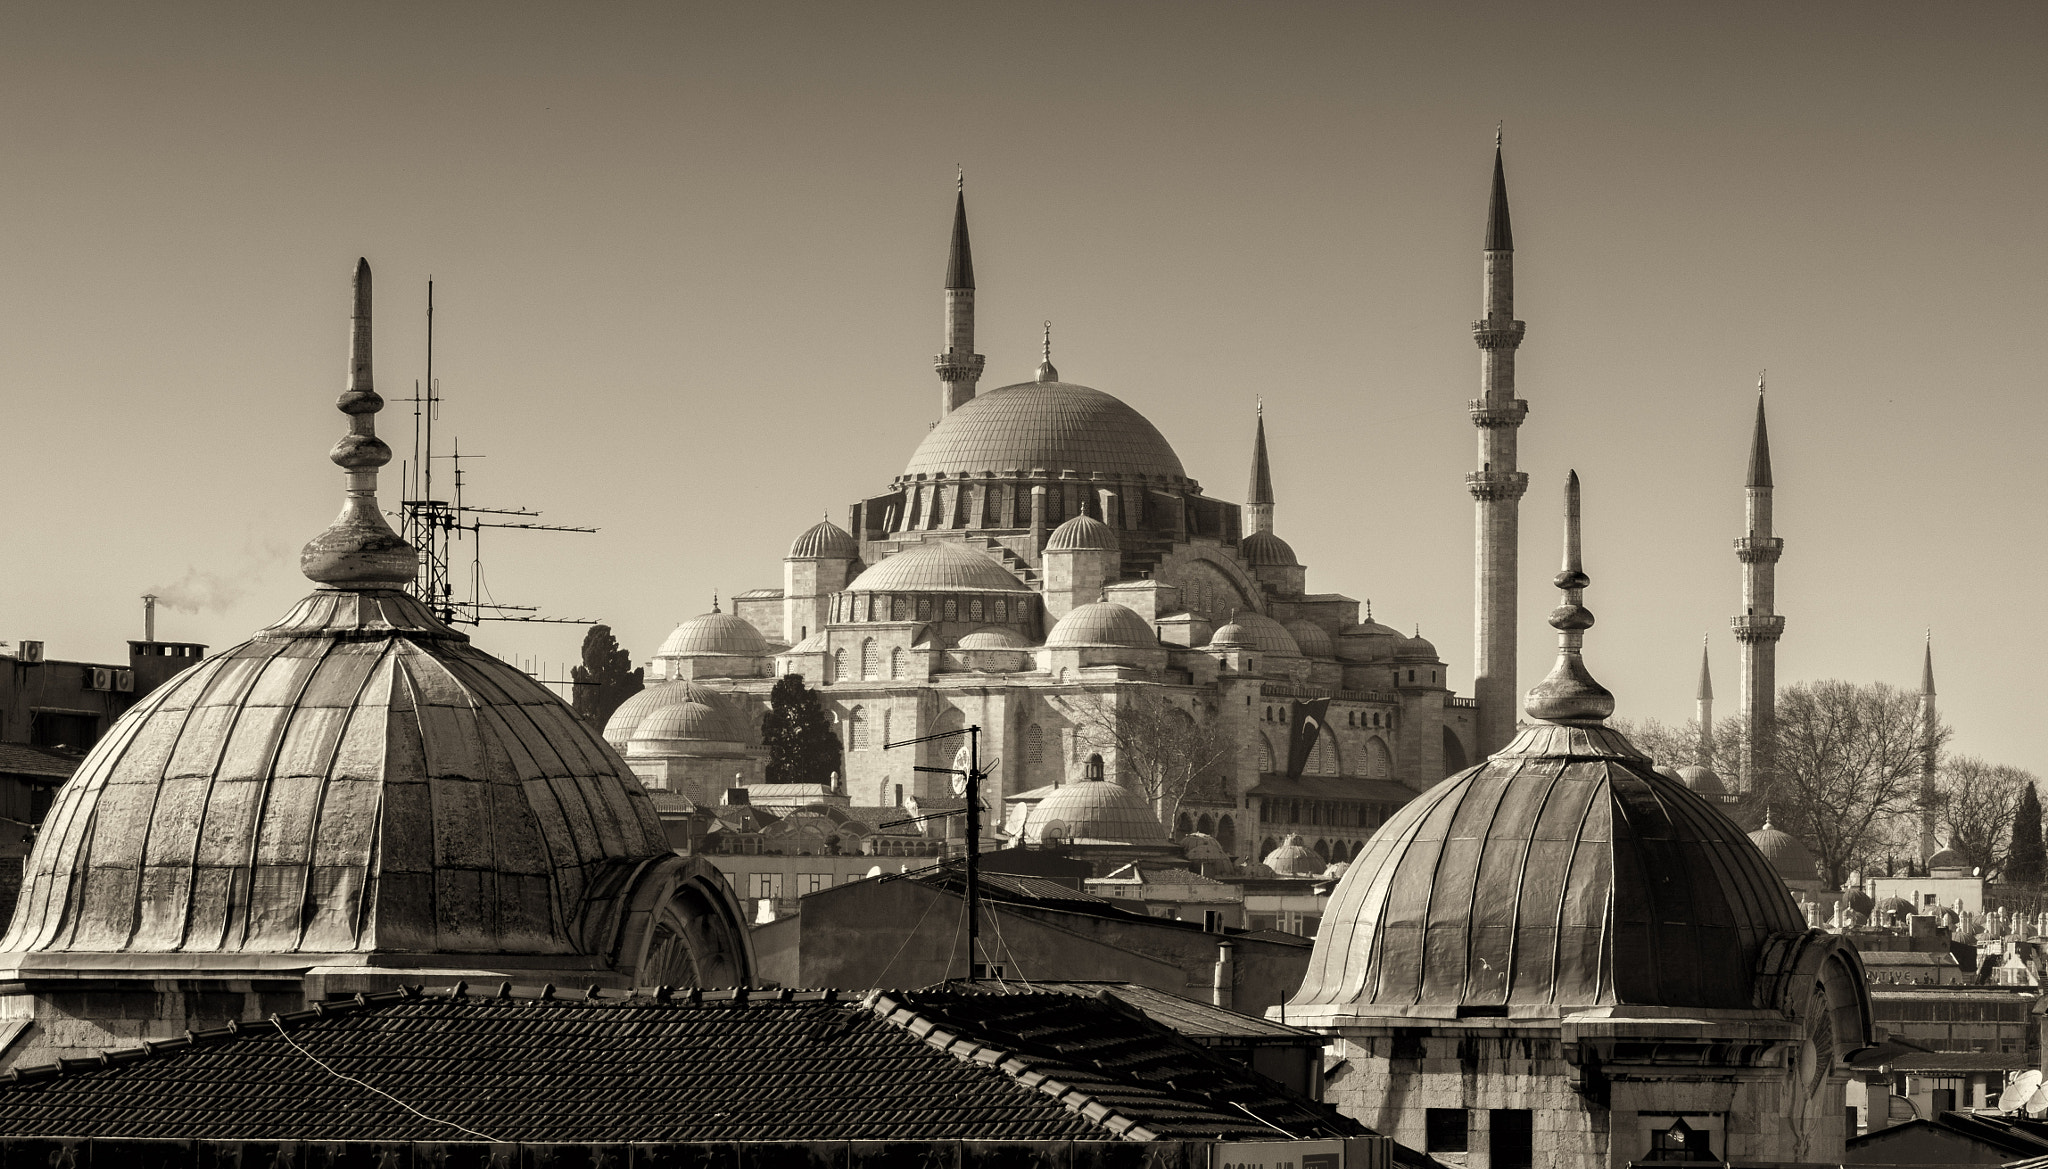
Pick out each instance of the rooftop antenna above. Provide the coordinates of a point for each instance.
(970, 782)
(436, 527)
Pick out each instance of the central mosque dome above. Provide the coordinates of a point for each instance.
(1052, 426)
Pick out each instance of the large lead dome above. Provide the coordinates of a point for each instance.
(1052, 426)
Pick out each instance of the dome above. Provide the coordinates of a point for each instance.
(1200, 846)
(626, 720)
(1255, 631)
(356, 778)
(1702, 780)
(1668, 772)
(1094, 810)
(1102, 623)
(1336, 872)
(1415, 649)
(1258, 871)
(1859, 901)
(1050, 426)
(1293, 859)
(814, 644)
(687, 721)
(993, 639)
(1896, 906)
(940, 566)
(1789, 858)
(824, 541)
(1948, 859)
(1310, 639)
(1082, 534)
(1563, 874)
(714, 634)
(1266, 550)
(1367, 642)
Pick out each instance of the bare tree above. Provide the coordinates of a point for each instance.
(1679, 745)
(1157, 745)
(1847, 757)
(1975, 804)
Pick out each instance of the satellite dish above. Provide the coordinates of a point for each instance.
(2038, 1102)
(2023, 1085)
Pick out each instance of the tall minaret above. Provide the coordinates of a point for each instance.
(1258, 498)
(1929, 722)
(1496, 485)
(1703, 700)
(959, 366)
(1759, 626)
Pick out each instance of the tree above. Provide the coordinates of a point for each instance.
(1679, 746)
(1974, 808)
(605, 680)
(2026, 859)
(802, 747)
(1156, 745)
(1847, 757)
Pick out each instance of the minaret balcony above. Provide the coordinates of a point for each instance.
(1493, 333)
(959, 367)
(1488, 486)
(1488, 414)
(1759, 549)
(1753, 629)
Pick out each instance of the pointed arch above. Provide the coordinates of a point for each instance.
(1034, 746)
(896, 662)
(1205, 825)
(857, 729)
(1181, 825)
(835, 666)
(1379, 762)
(870, 659)
(1455, 759)
(1266, 766)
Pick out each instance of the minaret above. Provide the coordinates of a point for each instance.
(959, 366)
(1258, 498)
(1496, 486)
(1703, 700)
(1759, 626)
(1929, 720)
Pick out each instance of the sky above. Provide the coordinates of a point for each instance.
(688, 257)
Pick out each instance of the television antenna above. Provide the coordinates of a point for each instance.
(968, 784)
(439, 528)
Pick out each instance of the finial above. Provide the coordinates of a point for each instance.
(1046, 372)
(359, 549)
(1496, 133)
(1368, 610)
(714, 600)
(1260, 409)
(1760, 382)
(1569, 694)
(960, 180)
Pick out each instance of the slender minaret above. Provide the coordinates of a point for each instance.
(959, 366)
(1703, 700)
(1759, 626)
(1929, 721)
(1496, 486)
(1258, 498)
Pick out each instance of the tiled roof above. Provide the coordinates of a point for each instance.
(1193, 1019)
(37, 762)
(705, 1066)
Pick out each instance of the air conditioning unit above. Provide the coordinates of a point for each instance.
(102, 679)
(124, 681)
(29, 651)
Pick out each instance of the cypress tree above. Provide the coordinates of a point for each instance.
(605, 680)
(2027, 863)
(802, 747)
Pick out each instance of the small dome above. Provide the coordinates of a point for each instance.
(1294, 859)
(1053, 426)
(625, 721)
(1897, 906)
(1310, 639)
(714, 634)
(1256, 631)
(687, 721)
(1790, 858)
(1702, 780)
(1082, 534)
(1860, 901)
(1094, 810)
(1415, 649)
(1103, 623)
(1266, 550)
(1367, 642)
(1947, 859)
(1200, 846)
(1668, 772)
(814, 644)
(993, 639)
(824, 541)
(1258, 871)
(940, 566)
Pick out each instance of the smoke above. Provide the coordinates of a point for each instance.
(200, 592)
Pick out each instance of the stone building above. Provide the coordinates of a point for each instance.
(1042, 565)
(1562, 957)
(353, 798)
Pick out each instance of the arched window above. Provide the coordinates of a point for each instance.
(1181, 826)
(835, 665)
(1326, 756)
(1034, 746)
(924, 608)
(974, 609)
(896, 662)
(1379, 763)
(870, 659)
(899, 608)
(953, 614)
(857, 729)
(1265, 756)
(1002, 610)
(1095, 767)
(1226, 834)
(1204, 825)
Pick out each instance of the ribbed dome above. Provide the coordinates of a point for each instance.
(1415, 649)
(714, 635)
(1082, 534)
(941, 566)
(1791, 859)
(1310, 639)
(1897, 906)
(993, 639)
(1560, 875)
(687, 721)
(1255, 631)
(1947, 858)
(1050, 426)
(1094, 811)
(619, 729)
(824, 541)
(1367, 642)
(1294, 859)
(1200, 846)
(1266, 550)
(356, 778)
(1703, 780)
(1103, 623)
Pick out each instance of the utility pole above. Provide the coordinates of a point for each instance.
(970, 781)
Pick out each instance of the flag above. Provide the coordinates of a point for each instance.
(1301, 744)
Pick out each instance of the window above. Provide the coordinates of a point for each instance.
(1510, 1139)
(896, 662)
(924, 608)
(857, 729)
(1444, 1131)
(870, 659)
(1002, 610)
(55, 728)
(761, 885)
(1034, 746)
(899, 795)
(899, 608)
(974, 609)
(1095, 767)
(812, 882)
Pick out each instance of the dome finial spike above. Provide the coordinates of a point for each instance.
(1497, 128)
(714, 600)
(1569, 694)
(960, 179)
(359, 549)
(1046, 372)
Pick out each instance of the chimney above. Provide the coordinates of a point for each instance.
(149, 617)
(1224, 982)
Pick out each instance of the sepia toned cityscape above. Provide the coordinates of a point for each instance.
(666, 585)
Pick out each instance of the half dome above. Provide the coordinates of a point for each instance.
(1051, 426)
(714, 634)
(1100, 624)
(1310, 639)
(939, 566)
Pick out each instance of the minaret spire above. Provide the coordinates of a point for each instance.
(359, 550)
(1759, 627)
(1930, 722)
(1497, 486)
(1569, 694)
(1703, 700)
(1258, 498)
(959, 367)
